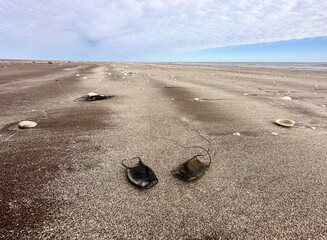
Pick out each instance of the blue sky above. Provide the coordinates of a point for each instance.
(164, 30)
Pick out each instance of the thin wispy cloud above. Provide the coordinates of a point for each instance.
(132, 29)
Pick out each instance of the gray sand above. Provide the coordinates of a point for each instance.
(63, 179)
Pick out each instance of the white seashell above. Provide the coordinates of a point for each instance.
(236, 134)
(27, 124)
(85, 77)
(77, 75)
(92, 94)
(287, 98)
(274, 133)
(245, 94)
(285, 122)
(196, 99)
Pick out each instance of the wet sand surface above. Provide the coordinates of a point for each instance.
(63, 179)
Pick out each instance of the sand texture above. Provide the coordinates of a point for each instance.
(63, 179)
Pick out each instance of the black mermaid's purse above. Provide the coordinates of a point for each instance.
(141, 175)
(193, 168)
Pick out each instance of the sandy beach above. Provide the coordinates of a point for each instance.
(63, 179)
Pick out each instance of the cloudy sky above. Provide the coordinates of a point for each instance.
(164, 30)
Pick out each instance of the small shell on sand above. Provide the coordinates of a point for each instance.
(27, 124)
(92, 94)
(285, 122)
(287, 98)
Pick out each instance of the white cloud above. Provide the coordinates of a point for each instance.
(113, 29)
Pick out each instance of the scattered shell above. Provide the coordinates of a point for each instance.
(274, 133)
(77, 75)
(85, 77)
(323, 106)
(172, 99)
(109, 73)
(125, 74)
(313, 128)
(92, 94)
(196, 99)
(287, 98)
(285, 122)
(245, 94)
(236, 134)
(27, 124)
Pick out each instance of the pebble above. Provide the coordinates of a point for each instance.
(27, 124)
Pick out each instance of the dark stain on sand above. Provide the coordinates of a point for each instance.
(61, 143)
(199, 110)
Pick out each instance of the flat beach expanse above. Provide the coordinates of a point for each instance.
(63, 179)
